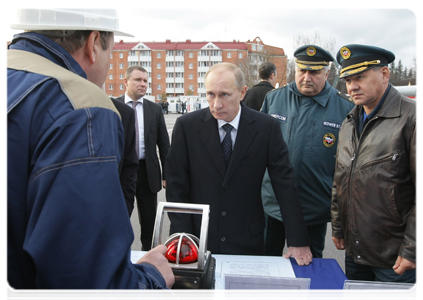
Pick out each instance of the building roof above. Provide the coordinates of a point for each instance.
(187, 45)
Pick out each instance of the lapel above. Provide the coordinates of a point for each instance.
(244, 138)
(147, 117)
(209, 136)
(121, 99)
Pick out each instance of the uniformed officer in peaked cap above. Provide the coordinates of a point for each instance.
(374, 190)
(310, 112)
(355, 59)
(312, 57)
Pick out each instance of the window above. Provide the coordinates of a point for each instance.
(169, 75)
(179, 85)
(229, 55)
(159, 86)
(121, 87)
(215, 53)
(191, 55)
(111, 55)
(159, 76)
(169, 53)
(159, 66)
(132, 53)
(110, 76)
(191, 76)
(111, 66)
(254, 47)
(120, 66)
(191, 87)
(159, 55)
(200, 85)
(260, 48)
(120, 76)
(203, 63)
(204, 53)
(144, 64)
(179, 53)
(179, 75)
(169, 64)
(239, 55)
(179, 63)
(110, 86)
(169, 85)
(191, 66)
(120, 55)
(201, 74)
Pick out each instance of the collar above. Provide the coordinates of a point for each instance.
(234, 122)
(41, 45)
(321, 98)
(129, 99)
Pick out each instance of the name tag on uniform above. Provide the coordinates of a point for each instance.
(279, 117)
(330, 124)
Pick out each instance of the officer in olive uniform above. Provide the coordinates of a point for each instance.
(310, 113)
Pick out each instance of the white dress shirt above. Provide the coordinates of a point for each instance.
(234, 123)
(140, 119)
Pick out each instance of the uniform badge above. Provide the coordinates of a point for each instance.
(311, 51)
(345, 52)
(329, 140)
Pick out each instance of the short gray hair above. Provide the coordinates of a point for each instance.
(72, 41)
(239, 75)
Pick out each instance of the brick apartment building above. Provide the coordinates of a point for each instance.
(176, 67)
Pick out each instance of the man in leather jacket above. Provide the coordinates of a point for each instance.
(374, 190)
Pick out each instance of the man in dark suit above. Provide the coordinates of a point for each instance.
(201, 168)
(128, 164)
(151, 132)
(255, 95)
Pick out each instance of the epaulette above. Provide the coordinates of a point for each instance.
(345, 97)
(281, 87)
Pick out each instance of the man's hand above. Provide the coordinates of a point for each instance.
(164, 184)
(339, 243)
(302, 255)
(402, 265)
(156, 257)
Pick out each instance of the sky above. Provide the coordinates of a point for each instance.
(395, 29)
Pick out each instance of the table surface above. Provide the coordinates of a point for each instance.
(325, 273)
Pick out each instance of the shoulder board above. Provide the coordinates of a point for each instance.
(281, 87)
(345, 97)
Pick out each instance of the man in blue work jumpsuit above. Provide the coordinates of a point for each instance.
(310, 112)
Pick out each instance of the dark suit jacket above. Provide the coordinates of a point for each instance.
(155, 134)
(128, 164)
(196, 173)
(255, 95)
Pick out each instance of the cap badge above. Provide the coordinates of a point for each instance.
(311, 51)
(345, 52)
(329, 140)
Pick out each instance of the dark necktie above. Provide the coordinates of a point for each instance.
(227, 143)
(137, 139)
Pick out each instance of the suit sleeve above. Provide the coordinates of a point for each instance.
(162, 141)
(128, 174)
(178, 179)
(282, 177)
(79, 234)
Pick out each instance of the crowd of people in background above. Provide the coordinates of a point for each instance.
(274, 165)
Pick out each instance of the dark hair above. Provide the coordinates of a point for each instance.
(75, 40)
(129, 71)
(266, 70)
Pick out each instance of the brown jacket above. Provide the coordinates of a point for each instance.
(374, 190)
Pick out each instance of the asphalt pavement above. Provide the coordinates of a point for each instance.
(170, 119)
